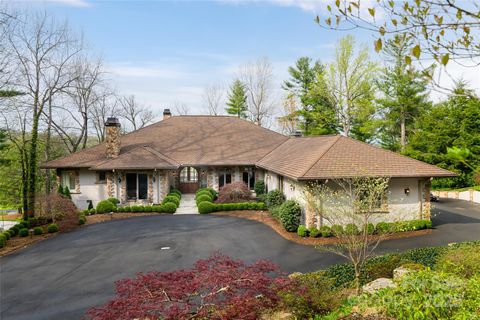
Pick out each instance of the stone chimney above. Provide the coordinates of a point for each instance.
(112, 137)
(166, 114)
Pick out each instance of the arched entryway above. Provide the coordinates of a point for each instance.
(189, 182)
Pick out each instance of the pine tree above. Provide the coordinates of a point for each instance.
(404, 98)
(237, 100)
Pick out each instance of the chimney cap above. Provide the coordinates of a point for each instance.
(112, 122)
(166, 111)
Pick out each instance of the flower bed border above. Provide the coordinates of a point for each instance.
(265, 218)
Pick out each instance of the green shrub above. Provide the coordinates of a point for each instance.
(136, 208)
(169, 207)
(426, 256)
(105, 206)
(427, 295)
(259, 188)
(314, 232)
(172, 199)
(52, 228)
(7, 235)
(147, 209)
(212, 192)
(176, 191)
(302, 231)
(204, 197)
(176, 195)
(311, 295)
(370, 228)
(92, 211)
(66, 193)
(82, 220)
(13, 231)
(23, 232)
(290, 215)
(115, 201)
(262, 198)
(37, 231)
(275, 198)
(127, 209)
(325, 231)
(463, 261)
(3, 240)
(351, 229)
(157, 208)
(121, 209)
(206, 207)
(382, 228)
(275, 212)
(337, 230)
(60, 190)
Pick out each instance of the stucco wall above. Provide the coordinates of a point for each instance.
(400, 206)
(89, 189)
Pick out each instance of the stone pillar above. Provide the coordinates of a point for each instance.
(110, 184)
(77, 181)
(150, 188)
(164, 185)
(123, 188)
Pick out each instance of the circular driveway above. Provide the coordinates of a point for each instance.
(61, 277)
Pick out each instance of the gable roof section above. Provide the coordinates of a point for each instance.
(139, 158)
(324, 157)
(188, 140)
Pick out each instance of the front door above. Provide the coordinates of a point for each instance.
(189, 180)
(137, 186)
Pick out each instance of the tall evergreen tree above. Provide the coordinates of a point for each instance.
(306, 83)
(237, 100)
(404, 96)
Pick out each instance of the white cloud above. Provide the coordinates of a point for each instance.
(70, 3)
(446, 77)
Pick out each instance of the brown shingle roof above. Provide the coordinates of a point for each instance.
(138, 158)
(325, 157)
(189, 140)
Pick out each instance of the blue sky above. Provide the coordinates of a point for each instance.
(167, 52)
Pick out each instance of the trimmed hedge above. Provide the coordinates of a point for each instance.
(23, 232)
(290, 215)
(7, 235)
(177, 192)
(314, 232)
(52, 228)
(37, 231)
(302, 231)
(204, 197)
(206, 207)
(173, 199)
(82, 220)
(115, 201)
(105, 206)
(168, 207)
(3, 240)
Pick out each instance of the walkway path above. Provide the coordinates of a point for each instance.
(187, 204)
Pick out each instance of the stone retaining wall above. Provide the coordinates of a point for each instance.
(469, 195)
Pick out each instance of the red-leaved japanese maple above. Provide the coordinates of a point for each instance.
(218, 287)
(234, 192)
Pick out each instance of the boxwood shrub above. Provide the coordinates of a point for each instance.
(302, 231)
(275, 198)
(82, 220)
(52, 228)
(105, 206)
(212, 192)
(204, 193)
(176, 191)
(7, 235)
(92, 211)
(290, 215)
(337, 229)
(23, 232)
(14, 230)
(351, 229)
(115, 201)
(168, 207)
(325, 231)
(206, 207)
(173, 199)
(37, 231)
(259, 188)
(204, 197)
(3, 240)
(314, 232)
(176, 195)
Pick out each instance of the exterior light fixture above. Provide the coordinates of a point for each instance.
(407, 191)
(154, 179)
(119, 180)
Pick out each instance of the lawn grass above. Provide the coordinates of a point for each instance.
(477, 188)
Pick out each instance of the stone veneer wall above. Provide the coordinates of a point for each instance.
(112, 141)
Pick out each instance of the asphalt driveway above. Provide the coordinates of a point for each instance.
(61, 277)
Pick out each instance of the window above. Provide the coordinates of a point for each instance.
(249, 179)
(137, 186)
(280, 183)
(224, 177)
(188, 175)
(68, 179)
(101, 176)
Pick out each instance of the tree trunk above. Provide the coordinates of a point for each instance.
(403, 135)
(32, 165)
(48, 179)
(357, 279)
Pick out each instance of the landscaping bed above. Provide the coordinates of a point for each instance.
(96, 218)
(266, 218)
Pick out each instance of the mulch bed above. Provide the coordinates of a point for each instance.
(96, 218)
(265, 218)
(16, 243)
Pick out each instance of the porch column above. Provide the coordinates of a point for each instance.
(150, 188)
(426, 205)
(110, 184)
